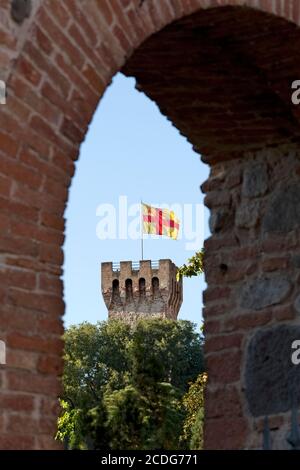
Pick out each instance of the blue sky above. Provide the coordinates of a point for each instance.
(130, 150)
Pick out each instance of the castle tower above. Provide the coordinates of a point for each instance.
(141, 289)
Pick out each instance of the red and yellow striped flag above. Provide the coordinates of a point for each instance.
(160, 221)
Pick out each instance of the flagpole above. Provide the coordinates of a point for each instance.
(142, 237)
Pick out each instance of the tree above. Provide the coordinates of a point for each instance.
(165, 351)
(123, 385)
(193, 402)
(95, 355)
(149, 420)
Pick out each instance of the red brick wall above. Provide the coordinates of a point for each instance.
(57, 64)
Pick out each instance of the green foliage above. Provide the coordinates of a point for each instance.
(123, 385)
(193, 402)
(150, 420)
(196, 442)
(128, 415)
(165, 351)
(69, 428)
(193, 268)
(94, 356)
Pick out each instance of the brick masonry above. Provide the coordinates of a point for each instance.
(223, 77)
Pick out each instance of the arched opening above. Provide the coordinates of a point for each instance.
(155, 286)
(115, 289)
(128, 290)
(231, 96)
(142, 287)
(115, 300)
(103, 158)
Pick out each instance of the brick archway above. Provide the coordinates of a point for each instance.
(57, 64)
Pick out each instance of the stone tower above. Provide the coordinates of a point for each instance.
(141, 289)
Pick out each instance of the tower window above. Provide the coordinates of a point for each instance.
(128, 289)
(155, 285)
(115, 290)
(115, 285)
(142, 287)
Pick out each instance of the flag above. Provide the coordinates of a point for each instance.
(160, 221)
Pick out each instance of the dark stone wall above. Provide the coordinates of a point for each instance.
(252, 302)
(272, 380)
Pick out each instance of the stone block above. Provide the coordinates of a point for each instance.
(255, 181)
(283, 212)
(264, 291)
(272, 380)
(247, 214)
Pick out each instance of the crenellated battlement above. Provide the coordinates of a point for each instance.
(140, 289)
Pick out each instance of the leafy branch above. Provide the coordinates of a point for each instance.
(193, 268)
